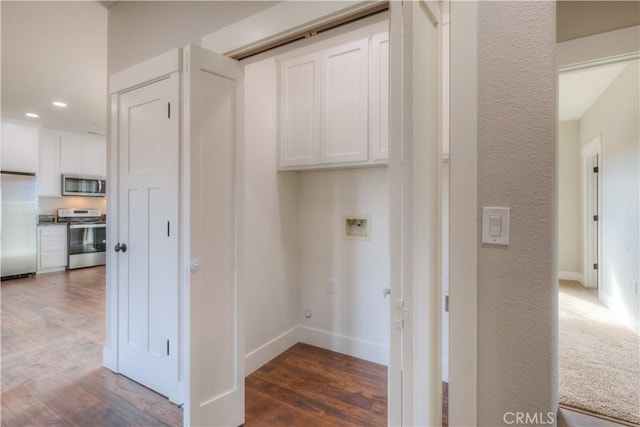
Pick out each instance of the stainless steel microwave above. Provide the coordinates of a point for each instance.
(82, 185)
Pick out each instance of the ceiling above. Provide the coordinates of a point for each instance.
(578, 90)
(55, 51)
(575, 19)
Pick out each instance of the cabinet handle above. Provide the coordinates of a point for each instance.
(120, 247)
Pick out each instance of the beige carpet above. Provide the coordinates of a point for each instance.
(599, 357)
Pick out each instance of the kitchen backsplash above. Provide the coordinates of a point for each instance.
(50, 205)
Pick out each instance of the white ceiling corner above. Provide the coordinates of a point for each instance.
(578, 90)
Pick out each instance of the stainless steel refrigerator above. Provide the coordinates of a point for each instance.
(18, 240)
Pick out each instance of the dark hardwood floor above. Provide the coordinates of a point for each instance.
(51, 370)
(52, 374)
(310, 386)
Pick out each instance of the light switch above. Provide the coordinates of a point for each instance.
(495, 226)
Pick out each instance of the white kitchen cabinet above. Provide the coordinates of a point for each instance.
(49, 182)
(334, 105)
(19, 147)
(52, 248)
(300, 111)
(95, 155)
(344, 133)
(83, 154)
(379, 97)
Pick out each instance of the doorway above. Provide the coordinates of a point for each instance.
(322, 287)
(598, 305)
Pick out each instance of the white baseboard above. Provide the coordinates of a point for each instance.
(571, 275)
(350, 346)
(263, 354)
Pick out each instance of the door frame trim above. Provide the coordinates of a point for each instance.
(591, 279)
(463, 213)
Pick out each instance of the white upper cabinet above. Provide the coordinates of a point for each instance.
(68, 153)
(334, 105)
(72, 161)
(49, 182)
(379, 97)
(95, 155)
(19, 147)
(83, 154)
(300, 111)
(344, 103)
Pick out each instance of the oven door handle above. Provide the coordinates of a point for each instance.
(74, 226)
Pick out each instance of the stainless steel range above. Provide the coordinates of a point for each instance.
(86, 236)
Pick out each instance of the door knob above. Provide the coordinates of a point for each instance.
(120, 247)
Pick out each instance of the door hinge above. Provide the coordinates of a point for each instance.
(596, 169)
(446, 303)
(168, 228)
(168, 110)
(595, 266)
(167, 347)
(595, 217)
(400, 314)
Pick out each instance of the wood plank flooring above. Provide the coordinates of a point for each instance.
(51, 370)
(311, 386)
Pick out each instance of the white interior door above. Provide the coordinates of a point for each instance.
(214, 331)
(415, 197)
(148, 147)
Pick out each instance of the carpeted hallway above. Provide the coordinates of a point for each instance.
(599, 357)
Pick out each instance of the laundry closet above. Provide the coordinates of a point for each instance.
(316, 194)
(270, 201)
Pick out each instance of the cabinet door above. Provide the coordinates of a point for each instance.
(72, 153)
(19, 148)
(95, 155)
(379, 97)
(344, 131)
(299, 111)
(52, 248)
(49, 165)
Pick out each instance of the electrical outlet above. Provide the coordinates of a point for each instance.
(331, 286)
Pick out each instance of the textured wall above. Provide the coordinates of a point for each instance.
(569, 198)
(517, 285)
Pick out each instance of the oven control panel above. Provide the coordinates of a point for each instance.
(78, 213)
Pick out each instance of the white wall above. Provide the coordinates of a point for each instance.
(517, 285)
(614, 116)
(298, 216)
(354, 319)
(569, 202)
(270, 221)
(139, 30)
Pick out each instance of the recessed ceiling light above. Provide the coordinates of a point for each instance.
(59, 104)
(32, 115)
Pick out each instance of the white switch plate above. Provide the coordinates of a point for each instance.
(487, 236)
